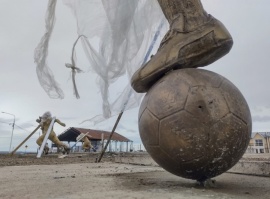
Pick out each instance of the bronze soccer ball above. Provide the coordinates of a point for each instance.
(195, 123)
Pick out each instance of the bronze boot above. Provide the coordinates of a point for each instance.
(195, 39)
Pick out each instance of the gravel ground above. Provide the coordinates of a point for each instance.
(30, 159)
(78, 176)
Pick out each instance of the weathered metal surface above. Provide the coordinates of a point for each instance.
(195, 123)
(195, 39)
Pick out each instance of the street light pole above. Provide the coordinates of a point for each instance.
(12, 129)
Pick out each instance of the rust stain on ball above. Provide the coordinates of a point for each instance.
(195, 123)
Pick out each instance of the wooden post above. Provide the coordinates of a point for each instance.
(40, 151)
(102, 141)
(131, 146)
(12, 153)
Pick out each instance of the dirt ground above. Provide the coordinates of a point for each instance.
(78, 176)
(51, 159)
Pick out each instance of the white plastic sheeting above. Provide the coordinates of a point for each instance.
(45, 76)
(127, 31)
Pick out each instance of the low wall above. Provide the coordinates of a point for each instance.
(258, 168)
(246, 166)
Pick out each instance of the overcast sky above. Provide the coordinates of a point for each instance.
(22, 26)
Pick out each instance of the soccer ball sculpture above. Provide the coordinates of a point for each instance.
(195, 123)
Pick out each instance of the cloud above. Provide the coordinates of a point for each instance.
(123, 128)
(6, 121)
(258, 118)
(23, 26)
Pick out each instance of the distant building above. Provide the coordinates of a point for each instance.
(118, 142)
(259, 143)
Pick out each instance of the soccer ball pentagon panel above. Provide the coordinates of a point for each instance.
(195, 123)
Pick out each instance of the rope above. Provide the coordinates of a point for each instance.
(74, 69)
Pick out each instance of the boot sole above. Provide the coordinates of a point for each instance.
(200, 52)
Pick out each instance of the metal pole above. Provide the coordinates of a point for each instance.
(12, 130)
(121, 143)
(109, 139)
(12, 134)
(45, 138)
(110, 147)
(131, 146)
(25, 140)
